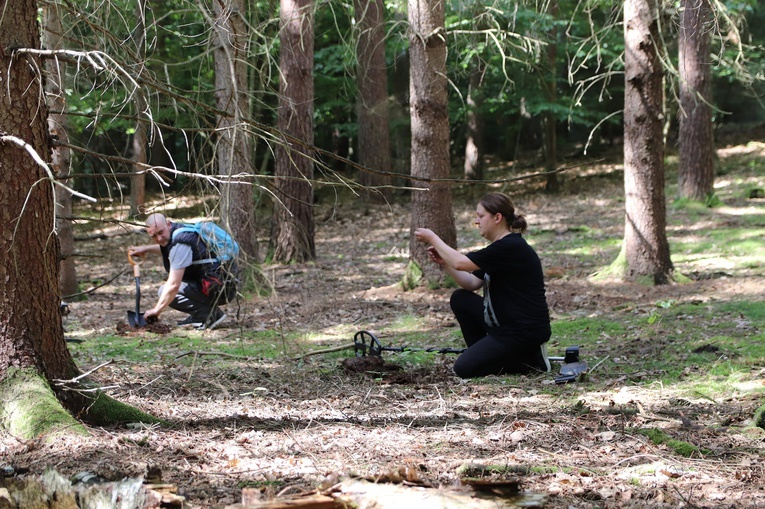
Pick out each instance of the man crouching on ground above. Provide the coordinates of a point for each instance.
(196, 283)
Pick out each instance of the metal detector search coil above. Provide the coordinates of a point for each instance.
(365, 343)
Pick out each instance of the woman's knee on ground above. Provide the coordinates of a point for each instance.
(465, 367)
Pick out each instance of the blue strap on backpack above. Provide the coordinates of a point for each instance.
(217, 240)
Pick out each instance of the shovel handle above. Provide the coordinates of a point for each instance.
(133, 261)
(135, 264)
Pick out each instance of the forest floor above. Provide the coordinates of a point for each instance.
(287, 425)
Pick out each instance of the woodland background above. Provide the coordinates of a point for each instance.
(312, 131)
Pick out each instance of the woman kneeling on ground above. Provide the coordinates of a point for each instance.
(506, 329)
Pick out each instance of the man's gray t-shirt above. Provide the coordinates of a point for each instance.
(180, 256)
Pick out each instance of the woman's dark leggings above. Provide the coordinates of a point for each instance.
(487, 355)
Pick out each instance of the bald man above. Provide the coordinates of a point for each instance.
(193, 288)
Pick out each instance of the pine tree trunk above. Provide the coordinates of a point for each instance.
(430, 131)
(550, 84)
(55, 85)
(234, 146)
(373, 116)
(292, 237)
(140, 137)
(696, 166)
(474, 124)
(31, 333)
(645, 242)
(33, 353)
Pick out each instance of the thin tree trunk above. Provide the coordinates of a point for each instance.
(292, 237)
(61, 156)
(430, 131)
(140, 138)
(696, 166)
(550, 84)
(234, 143)
(474, 123)
(373, 116)
(646, 248)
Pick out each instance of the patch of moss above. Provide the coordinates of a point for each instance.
(616, 271)
(412, 276)
(759, 417)
(31, 409)
(682, 448)
(105, 411)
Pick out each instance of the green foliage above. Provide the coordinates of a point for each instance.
(334, 77)
(266, 344)
(711, 201)
(507, 42)
(254, 281)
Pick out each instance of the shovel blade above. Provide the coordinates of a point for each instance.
(136, 320)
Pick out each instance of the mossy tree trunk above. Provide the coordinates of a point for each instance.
(33, 353)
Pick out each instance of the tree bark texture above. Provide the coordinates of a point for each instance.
(474, 124)
(31, 332)
(373, 116)
(140, 137)
(430, 130)
(645, 241)
(233, 150)
(550, 84)
(696, 166)
(293, 229)
(55, 84)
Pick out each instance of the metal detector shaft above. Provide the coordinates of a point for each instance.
(365, 343)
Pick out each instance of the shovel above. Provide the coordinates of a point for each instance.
(135, 318)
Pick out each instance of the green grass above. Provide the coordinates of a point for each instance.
(707, 348)
(151, 348)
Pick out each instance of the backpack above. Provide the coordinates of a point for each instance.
(221, 246)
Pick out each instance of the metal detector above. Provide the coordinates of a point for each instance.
(366, 344)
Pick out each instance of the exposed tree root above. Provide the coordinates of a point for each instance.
(31, 409)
